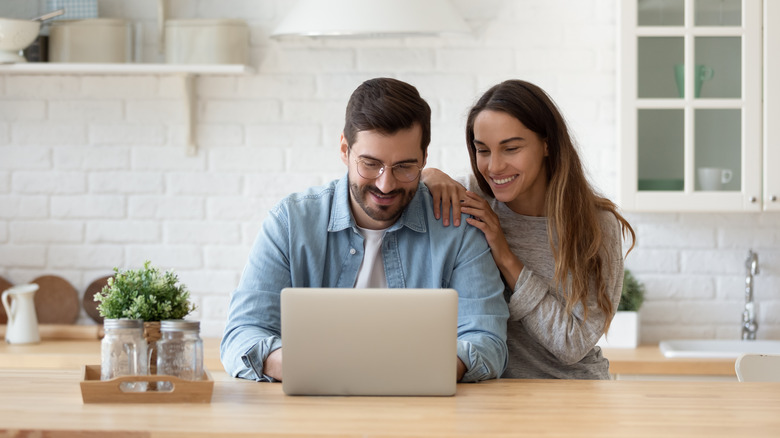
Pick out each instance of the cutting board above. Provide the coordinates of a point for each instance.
(88, 300)
(4, 284)
(57, 301)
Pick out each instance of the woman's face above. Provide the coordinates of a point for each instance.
(511, 159)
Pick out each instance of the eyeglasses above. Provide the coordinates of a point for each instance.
(373, 169)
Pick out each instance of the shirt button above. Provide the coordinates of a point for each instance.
(352, 251)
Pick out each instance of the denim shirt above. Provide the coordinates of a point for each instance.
(310, 239)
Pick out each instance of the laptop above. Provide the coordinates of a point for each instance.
(372, 342)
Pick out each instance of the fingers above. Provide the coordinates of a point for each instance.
(476, 223)
(474, 198)
(456, 199)
(446, 201)
(437, 200)
(451, 203)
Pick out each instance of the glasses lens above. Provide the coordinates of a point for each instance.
(369, 169)
(406, 172)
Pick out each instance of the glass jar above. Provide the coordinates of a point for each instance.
(123, 352)
(179, 351)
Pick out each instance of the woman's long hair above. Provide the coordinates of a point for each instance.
(572, 206)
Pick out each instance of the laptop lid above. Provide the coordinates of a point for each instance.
(369, 341)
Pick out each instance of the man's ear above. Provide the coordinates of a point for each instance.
(344, 150)
(425, 159)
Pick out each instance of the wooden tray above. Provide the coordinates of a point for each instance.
(94, 390)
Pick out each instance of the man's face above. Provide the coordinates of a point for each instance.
(378, 203)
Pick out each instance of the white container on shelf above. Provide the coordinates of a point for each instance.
(102, 40)
(623, 332)
(206, 41)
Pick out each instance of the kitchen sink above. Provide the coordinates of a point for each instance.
(717, 348)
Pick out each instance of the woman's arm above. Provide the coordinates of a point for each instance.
(569, 337)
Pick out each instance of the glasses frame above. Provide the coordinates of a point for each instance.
(385, 166)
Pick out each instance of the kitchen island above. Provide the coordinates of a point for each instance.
(50, 401)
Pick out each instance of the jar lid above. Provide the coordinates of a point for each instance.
(123, 323)
(179, 325)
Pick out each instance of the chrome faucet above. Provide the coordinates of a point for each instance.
(749, 324)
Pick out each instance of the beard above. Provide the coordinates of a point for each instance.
(383, 213)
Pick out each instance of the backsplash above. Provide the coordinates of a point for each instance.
(94, 171)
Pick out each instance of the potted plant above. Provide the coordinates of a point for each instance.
(146, 294)
(624, 329)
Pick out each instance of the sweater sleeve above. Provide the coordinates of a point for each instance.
(542, 310)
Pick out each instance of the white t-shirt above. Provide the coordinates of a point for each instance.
(372, 270)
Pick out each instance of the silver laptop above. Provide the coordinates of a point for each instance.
(369, 341)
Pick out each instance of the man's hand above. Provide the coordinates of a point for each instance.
(461, 369)
(273, 365)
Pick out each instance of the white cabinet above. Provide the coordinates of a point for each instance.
(771, 105)
(690, 108)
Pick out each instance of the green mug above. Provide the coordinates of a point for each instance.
(703, 73)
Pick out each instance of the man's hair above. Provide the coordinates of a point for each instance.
(387, 106)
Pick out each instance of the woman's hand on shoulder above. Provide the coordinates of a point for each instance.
(485, 219)
(447, 194)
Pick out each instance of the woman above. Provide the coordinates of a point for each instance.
(556, 242)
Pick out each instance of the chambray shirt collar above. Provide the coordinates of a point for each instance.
(341, 214)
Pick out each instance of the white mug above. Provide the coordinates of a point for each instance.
(713, 178)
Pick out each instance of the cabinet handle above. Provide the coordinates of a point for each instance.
(773, 198)
(753, 199)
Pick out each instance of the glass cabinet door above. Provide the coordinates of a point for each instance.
(690, 105)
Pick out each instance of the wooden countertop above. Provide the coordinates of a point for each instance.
(648, 359)
(60, 353)
(75, 353)
(50, 401)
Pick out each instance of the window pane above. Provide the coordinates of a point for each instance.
(718, 149)
(660, 149)
(660, 12)
(718, 13)
(718, 67)
(656, 61)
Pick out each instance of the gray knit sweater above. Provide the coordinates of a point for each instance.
(544, 341)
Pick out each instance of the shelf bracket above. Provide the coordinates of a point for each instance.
(191, 104)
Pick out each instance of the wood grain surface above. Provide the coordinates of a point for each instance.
(88, 300)
(50, 400)
(57, 301)
(4, 284)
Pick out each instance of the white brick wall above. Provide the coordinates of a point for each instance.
(94, 174)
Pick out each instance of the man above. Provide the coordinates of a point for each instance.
(372, 228)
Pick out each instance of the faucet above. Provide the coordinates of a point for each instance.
(749, 324)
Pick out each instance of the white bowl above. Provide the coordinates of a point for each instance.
(16, 35)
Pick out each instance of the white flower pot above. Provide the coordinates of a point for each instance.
(623, 333)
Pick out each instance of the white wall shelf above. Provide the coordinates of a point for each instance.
(58, 68)
(185, 71)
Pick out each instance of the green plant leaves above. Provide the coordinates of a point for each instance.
(633, 294)
(145, 294)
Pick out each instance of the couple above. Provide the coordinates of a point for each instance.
(538, 267)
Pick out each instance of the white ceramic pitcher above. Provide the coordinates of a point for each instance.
(22, 320)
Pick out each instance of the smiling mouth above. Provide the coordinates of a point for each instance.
(503, 180)
(382, 198)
